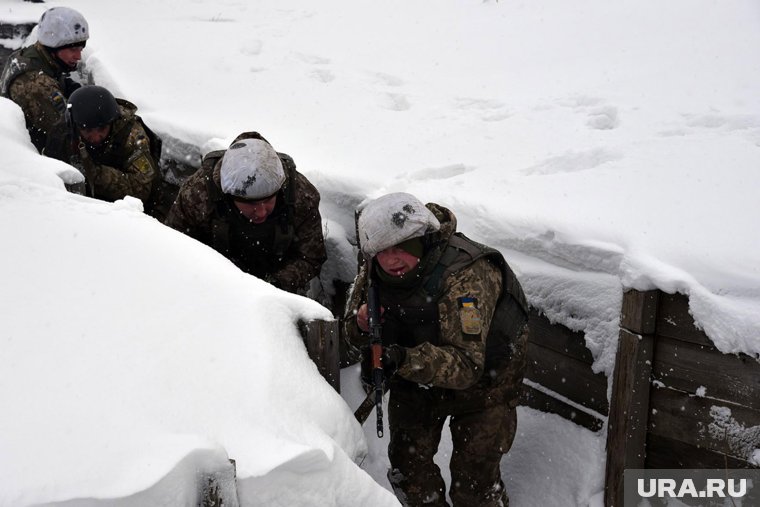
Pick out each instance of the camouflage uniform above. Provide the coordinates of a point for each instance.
(35, 81)
(462, 323)
(123, 165)
(287, 250)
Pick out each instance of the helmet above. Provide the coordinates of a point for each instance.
(251, 169)
(393, 219)
(62, 26)
(92, 106)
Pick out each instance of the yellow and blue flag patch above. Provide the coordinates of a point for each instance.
(469, 314)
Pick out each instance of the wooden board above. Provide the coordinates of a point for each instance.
(664, 452)
(568, 377)
(687, 366)
(558, 338)
(675, 321)
(539, 400)
(705, 423)
(322, 343)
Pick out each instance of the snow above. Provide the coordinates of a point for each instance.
(600, 146)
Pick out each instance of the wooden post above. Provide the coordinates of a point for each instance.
(639, 311)
(322, 344)
(629, 406)
(219, 489)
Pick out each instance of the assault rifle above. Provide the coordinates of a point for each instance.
(374, 398)
(375, 344)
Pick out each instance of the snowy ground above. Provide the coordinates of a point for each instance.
(599, 145)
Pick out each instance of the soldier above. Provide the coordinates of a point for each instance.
(36, 77)
(454, 336)
(250, 204)
(110, 144)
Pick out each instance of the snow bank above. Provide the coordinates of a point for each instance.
(134, 356)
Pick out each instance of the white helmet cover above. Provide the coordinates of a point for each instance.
(393, 219)
(251, 169)
(61, 26)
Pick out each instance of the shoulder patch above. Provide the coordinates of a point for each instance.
(58, 100)
(469, 314)
(143, 164)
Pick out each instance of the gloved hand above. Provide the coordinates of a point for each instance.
(393, 357)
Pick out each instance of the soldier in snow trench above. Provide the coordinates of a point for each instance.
(37, 77)
(108, 142)
(454, 334)
(250, 204)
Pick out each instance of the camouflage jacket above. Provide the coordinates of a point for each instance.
(447, 340)
(123, 165)
(40, 86)
(287, 250)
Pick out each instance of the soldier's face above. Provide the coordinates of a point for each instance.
(96, 135)
(256, 211)
(396, 261)
(70, 56)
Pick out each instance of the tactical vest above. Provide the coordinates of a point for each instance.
(32, 59)
(25, 60)
(258, 249)
(412, 318)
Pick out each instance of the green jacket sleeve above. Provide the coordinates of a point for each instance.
(137, 174)
(466, 309)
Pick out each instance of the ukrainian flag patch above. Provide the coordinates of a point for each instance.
(59, 102)
(468, 302)
(469, 314)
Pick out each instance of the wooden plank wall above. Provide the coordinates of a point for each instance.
(559, 361)
(677, 401)
(705, 405)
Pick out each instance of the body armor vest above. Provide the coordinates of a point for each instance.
(33, 59)
(29, 59)
(258, 249)
(411, 316)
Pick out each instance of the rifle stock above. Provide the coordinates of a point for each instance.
(365, 409)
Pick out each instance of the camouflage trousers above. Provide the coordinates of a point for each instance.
(479, 438)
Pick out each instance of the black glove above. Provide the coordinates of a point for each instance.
(393, 357)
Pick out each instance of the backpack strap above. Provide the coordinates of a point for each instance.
(448, 264)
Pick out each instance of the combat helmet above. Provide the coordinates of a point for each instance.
(91, 106)
(251, 170)
(391, 220)
(61, 27)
